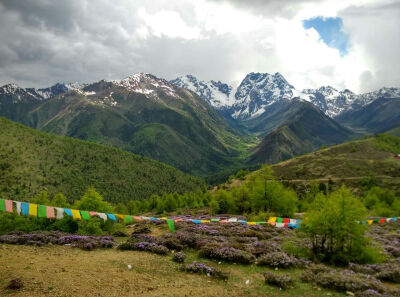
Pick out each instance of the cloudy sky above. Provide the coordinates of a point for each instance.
(346, 44)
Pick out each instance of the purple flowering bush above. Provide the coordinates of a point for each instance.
(179, 257)
(201, 268)
(279, 280)
(341, 281)
(44, 238)
(228, 254)
(144, 246)
(277, 259)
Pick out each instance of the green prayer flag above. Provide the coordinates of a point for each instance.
(261, 223)
(214, 220)
(2, 205)
(279, 220)
(85, 215)
(42, 212)
(171, 225)
(128, 219)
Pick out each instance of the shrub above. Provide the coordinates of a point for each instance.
(276, 259)
(202, 268)
(331, 225)
(282, 281)
(343, 281)
(145, 246)
(179, 257)
(390, 273)
(141, 229)
(229, 254)
(368, 293)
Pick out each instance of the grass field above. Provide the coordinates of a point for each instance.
(66, 271)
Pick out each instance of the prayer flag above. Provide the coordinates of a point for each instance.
(171, 225)
(68, 211)
(60, 213)
(102, 216)
(2, 205)
(111, 217)
(214, 220)
(272, 220)
(286, 221)
(18, 204)
(85, 215)
(92, 213)
(8, 204)
(128, 219)
(136, 218)
(50, 212)
(370, 222)
(76, 214)
(42, 213)
(25, 208)
(279, 220)
(251, 223)
(33, 210)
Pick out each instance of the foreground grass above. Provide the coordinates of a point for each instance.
(66, 271)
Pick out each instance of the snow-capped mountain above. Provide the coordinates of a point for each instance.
(259, 90)
(218, 94)
(145, 83)
(59, 88)
(19, 93)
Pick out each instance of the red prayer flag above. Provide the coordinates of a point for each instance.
(8, 204)
(50, 212)
(287, 221)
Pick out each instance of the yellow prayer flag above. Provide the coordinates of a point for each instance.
(33, 210)
(76, 215)
(272, 220)
(120, 216)
(205, 221)
(251, 223)
(370, 222)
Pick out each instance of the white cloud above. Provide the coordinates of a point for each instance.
(43, 42)
(167, 23)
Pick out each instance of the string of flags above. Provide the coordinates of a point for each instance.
(50, 212)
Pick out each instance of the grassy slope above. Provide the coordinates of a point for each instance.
(31, 161)
(65, 271)
(347, 163)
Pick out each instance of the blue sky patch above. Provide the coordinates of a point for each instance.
(331, 32)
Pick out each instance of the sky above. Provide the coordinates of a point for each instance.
(350, 44)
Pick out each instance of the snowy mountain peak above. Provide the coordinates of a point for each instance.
(146, 84)
(259, 90)
(10, 88)
(218, 94)
(58, 88)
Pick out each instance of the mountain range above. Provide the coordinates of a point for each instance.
(204, 128)
(258, 91)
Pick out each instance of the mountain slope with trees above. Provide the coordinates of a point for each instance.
(32, 161)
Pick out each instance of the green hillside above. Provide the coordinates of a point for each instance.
(355, 163)
(146, 116)
(31, 161)
(305, 129)
(380, 116)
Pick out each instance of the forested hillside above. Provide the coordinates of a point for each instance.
(31, 161)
